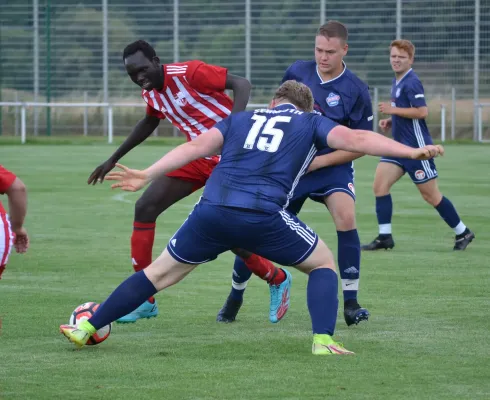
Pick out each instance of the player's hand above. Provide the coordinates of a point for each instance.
(129, 180)
(385, 124)
(100, 172)
(21, 241)
(385, 108)
(427, 152)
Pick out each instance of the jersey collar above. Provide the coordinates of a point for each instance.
(331, 80)
(403, 77)
(289, 105)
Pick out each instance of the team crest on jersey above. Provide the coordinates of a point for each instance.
(333, 99)
(180, 99)
(419, 174)
(397, 94)
(351, 188)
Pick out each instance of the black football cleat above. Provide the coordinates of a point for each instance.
(462, 241)
(381, 242)
(354, 313)
(229, 311)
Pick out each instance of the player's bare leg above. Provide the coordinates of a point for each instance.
(387, 174)
(343, 211)
(165, 271)
(431, 194)
(322, 299)
(160, 195)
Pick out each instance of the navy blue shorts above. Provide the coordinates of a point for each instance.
(322, 183)
(419, 171)
(211, 230)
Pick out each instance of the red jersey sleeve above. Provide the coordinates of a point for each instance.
(206, 78)
(6, 179)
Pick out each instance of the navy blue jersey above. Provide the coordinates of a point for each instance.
(405, 93)
(265, 152)
(345, 99)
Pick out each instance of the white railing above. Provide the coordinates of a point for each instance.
(479, 116)
(110, 115)
(108, 106)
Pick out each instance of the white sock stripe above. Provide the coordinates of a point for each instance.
(309, 238)
(350, 284)
(385, 229)
(239, 286)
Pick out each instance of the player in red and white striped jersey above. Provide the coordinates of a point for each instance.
(12, 231)
(191, 95)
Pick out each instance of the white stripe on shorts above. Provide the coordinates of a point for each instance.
(295, 226)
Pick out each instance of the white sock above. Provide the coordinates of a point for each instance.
(385, 229)
(460, 228)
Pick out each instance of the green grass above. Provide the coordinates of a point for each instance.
(427, 338)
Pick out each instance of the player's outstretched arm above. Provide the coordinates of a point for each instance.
(336, 158)
(374, 144)
(17, 198)
(207, 144)
(241, 91)
(140, 133)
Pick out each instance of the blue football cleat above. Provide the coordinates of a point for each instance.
(279, 304)
(146, 310)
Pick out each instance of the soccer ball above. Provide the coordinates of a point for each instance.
(84, 312)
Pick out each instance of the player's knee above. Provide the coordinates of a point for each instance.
(380, 188)
(432, 198)
(146, 211)
(345, 218)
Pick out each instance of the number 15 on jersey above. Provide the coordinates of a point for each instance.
(269, 138)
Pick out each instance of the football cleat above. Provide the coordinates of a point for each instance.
(381, 242)
(146, 310)
(462, 241)
(354, 313)
(229, 311)
(279, 303)
(79, 335)
(324, 345)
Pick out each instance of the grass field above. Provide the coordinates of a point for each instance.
(428, 337)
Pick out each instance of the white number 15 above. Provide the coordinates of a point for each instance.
(269, 143)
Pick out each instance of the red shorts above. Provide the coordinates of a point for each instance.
(197, 171)
(6, 241)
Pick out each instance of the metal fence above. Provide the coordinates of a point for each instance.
(70, 51)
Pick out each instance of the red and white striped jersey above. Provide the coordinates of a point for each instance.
(192, 97)
(6, 180)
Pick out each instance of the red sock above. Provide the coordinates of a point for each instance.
(265, 270)
(142, 246)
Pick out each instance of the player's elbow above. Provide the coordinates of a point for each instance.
(343, 138)
(17, 188)
(423, 113)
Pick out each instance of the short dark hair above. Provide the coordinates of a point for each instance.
(139, 45)
(297, 93)
(333, 29)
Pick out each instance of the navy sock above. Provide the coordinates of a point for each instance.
(349, 259)
(128, 296)
(241, 275)
(323, 303)
(384, 211)
(448, 213)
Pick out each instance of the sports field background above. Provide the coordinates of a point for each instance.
(428, 337)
